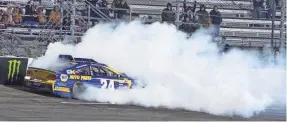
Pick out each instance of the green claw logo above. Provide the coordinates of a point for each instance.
(14, 68)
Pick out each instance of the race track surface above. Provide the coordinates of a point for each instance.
(17, 104)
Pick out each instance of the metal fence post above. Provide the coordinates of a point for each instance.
(177, 13)
(89, 15)
(273, 17)
(73, 20)
(130, 15)
(283, 20)
(62, 17)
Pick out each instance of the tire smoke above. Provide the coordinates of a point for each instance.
(180, 72)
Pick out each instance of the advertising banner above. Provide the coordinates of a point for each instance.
(12, 70)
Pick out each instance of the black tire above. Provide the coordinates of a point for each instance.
(78, 88)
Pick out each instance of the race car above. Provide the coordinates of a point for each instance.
(69, 77)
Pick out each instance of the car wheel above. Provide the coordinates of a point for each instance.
(78, 89)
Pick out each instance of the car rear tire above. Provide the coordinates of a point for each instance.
(78, 89)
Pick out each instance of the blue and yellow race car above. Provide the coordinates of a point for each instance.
(69, 78)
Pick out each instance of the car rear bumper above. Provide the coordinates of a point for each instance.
(39, 86)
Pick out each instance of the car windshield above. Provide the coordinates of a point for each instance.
(124, 75)
(121, 73)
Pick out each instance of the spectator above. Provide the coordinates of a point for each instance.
(30, 14)
(168, 15)
(40, 2)
(269, 4)
(203, 17)
(185, 8)
(216, 20)
(2, 24)
(3, 18)
(79, 25)
(94, 3)
(277, 2)
(188, 16)
(55, 16)
(66, 23)
(121, 7)
(258, 4)
(41, 17)
(17, 16)
(189, 19)
(66, 9)
(29, 11)
(10, 16)
(103, 6)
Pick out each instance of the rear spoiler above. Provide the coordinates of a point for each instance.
(79, 60)
(34, 68)
(70, 58)
(66, 58)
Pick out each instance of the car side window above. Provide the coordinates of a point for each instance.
(101, 71)
(110, 73)
(97, 71)
(83, 71)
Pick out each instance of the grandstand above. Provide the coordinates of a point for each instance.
(238, 27)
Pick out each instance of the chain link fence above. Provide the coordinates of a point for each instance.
(248, 23)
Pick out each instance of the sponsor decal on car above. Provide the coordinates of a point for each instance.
(80, 77)
(64, 77)
(70, 72)
(63, 89)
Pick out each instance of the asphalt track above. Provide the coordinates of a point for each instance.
(17, 104)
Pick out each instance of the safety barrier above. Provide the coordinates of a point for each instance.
(12, 70)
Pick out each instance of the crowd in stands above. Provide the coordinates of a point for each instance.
(32, 15)
(38, 15)
(259, 7)
(192, 19)
(119, 8)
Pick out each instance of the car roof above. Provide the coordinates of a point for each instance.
(87, 63)
(79, 65)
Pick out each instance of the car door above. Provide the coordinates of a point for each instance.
(82, 73)
(105, 78)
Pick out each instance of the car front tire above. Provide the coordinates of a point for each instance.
(78, 89)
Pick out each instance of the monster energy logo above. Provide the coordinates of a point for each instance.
(14, 68)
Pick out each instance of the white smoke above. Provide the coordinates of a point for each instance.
(180, 72)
